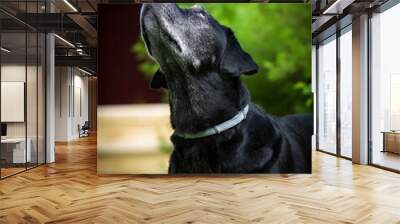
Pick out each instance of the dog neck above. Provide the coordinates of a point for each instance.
(217, 129)
(196, 109)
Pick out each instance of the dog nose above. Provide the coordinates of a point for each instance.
(160, 8)
(170, 6)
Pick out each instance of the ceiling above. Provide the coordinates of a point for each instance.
(76, 22)
(330, 15)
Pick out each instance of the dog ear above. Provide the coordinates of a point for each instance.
(158, 81)
(235, 61)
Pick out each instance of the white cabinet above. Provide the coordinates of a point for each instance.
(19, 155)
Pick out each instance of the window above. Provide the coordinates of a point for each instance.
(385, 88)
(22, 77)
(346, 92)
(327, 95)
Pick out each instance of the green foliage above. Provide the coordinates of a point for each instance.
(148, 66)
(278, 37)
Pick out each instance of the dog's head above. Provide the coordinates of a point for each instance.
(189, 42)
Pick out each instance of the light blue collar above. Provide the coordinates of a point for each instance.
(217, 128)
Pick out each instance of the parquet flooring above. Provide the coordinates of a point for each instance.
(69, 191)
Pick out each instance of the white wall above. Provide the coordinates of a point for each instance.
(9, 73)
(33, 126)
(81, 103)
(14, 72)
(62, 82)
(71, 94)
(17, 73)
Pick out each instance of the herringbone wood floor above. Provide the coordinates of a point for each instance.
(69, 191)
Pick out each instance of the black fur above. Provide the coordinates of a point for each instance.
(200, 64)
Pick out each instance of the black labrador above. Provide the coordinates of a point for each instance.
(200, 64)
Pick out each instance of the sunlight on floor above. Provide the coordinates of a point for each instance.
(387, 159)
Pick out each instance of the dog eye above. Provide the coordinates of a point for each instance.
(201, 13)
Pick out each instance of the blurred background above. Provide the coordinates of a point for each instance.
(133, 120)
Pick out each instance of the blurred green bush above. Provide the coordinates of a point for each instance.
(278, 36)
